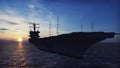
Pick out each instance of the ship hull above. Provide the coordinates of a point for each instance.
(67, 48)
(73, 45)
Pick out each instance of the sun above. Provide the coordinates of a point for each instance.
(20, 39)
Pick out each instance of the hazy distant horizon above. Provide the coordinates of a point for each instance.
(116, 39)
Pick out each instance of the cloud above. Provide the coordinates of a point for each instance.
(9, 22)
(10, 16)
(31, 6)
(4, 29)
(42, 15)
(13, 23)
(33, 11)
(39, 11)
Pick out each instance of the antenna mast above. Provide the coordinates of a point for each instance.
(35, 27)
(92, 26)
(81, 28)
(49, 28)
(57, 25)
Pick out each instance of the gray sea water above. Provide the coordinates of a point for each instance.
(26, 55)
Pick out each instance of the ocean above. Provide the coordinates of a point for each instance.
(26, 55)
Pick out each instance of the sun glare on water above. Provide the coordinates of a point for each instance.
(20, 39)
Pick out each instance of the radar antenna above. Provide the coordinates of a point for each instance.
(34, 26)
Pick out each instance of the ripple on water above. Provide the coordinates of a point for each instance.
(26, 55)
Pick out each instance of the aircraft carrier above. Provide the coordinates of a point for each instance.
(72, 44)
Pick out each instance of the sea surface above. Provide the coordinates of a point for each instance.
(26, 55)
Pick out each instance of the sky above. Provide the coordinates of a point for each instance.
(15, 16)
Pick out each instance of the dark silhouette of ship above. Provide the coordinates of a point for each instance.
(72, 44)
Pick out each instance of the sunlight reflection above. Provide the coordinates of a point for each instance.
(19, 55)
(20, 45)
